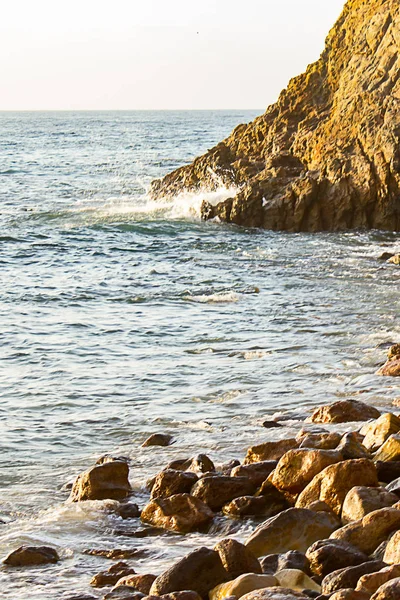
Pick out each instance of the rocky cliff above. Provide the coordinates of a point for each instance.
(326, 155)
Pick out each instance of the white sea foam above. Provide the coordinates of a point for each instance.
(185, 205)
(220, 297)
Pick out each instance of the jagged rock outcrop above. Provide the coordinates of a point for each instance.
(326, 155)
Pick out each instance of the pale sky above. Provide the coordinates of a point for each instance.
(156, 54)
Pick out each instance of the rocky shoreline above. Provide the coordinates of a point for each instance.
(325, 156)
(324, 509)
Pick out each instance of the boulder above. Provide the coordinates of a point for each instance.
(394, 487)
(361, 500)
(377, 432)
(388, 591)
(112, 575)
(142, 583)
(326, 556)
(217, 491)
(392, 366)
(289, 560)
(333, 483)
(108, 480)
(348, 594)
(350, 447)
(392, 552)
(257, 506)
(201, 464)
(348, 577)
(256, 472)
(269, 450)
(322, 441)
(388, 471)
(124, 592)
(127, 510)
(181, 513)
(236, 558)
(31, 555)
(170, 482)
(200, 571)
(295, 579)
(390, 450)
(242, 585)
(344, 411)
(367, 533)
(292, 529)
(275, 593)
(184, 595)
(371, 582)
(298, 467)
(158, 439)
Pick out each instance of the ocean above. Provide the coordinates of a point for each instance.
(121, 317)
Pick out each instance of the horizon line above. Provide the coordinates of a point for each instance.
(22, 110)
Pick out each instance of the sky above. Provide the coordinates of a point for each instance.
(156, 54)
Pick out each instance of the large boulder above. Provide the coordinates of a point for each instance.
(321, 441)
(181, 513)
(392, 552)
(330, 555)
(266, 505)
(256, 472)
(292, 529)
(344, 411)
(218, 490)
(361, 500)
(333, 483)
(236, 558)
(200, 571)
(388, 591)
(108, 480)
(242, 585)
(390, 450)
(377, 432)
(275, 593)
(368, 533)
(371, 582)
(298, 467)
(348, 577)
(348, 594)
(170, 482)
(31, 555)
(269, 450)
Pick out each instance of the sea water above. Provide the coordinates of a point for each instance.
(121, 317)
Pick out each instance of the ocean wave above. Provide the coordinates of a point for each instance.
(218, 298)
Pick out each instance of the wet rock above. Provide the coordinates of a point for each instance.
(321, 441)
(117, 553)
(362, 500)
(371, 582)
(271, 424)
(124, 592)
(298, 467)
(392, 552)
(112, 575)
(217, 491)
(385, 255)
(144, 532)
(326, 556)
(255, 472)
(185, 595)
(78, 597)
(275, 593)
(394, 487)
(108, 480)
(181, 513)
(367, 533)
(351, 448)
(292, 529)
(377, 432)
(348, 594)
(348, 577)
(388, 591)
(272, 563)
(128, 510)
(110, 458)
(141, 583)
(201, 464)
(334, 482)
(31, 555)
(388, 471)
(242, 585)
(158, 439)
(344, 411)
(170, 482)
(390, 450)
(200, 571)
(391, 368)
(269, 451)
(237, 559)
(226, 468)
(256, 506)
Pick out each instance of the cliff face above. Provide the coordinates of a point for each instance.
(326, 155)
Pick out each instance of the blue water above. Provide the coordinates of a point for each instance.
(120, 317)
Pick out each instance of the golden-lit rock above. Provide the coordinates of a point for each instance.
(269, 450)
(181, 513)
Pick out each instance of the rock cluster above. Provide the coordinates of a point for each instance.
(326, 155)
